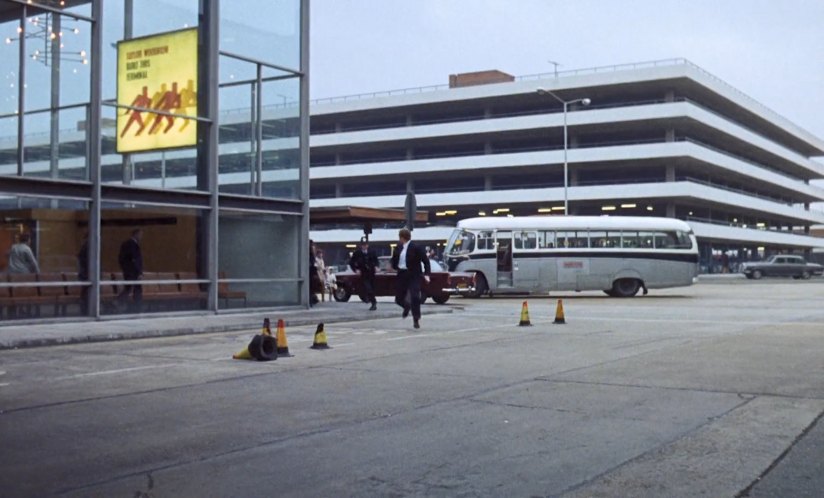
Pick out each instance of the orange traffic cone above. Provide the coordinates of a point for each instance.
(283, 345)
(267, 327)
(320, 339)
(559, 313)
(524, 315)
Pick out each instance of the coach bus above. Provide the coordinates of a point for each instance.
(616, 254)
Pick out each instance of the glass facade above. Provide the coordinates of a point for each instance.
(87, 231)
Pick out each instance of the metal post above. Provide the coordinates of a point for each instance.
(566, 166)
(128, 31)
(303, 260)
(258, 189)
(207, 152)
(54, 128)
(95, 150)
(21, 94)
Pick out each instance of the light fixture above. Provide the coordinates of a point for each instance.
(607, 208)
(735, 220)
(544, 210)
(690, 213)
(351, 246)
(558, 208)
(760, 225)
(481, 213)
(649, 208)
(628, 206)
(450, 212)
(440, 213)
(43, 32)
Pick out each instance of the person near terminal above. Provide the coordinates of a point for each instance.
(315, 283)
(364, 262)
(21, 257)
(131, 264)
(412, 264)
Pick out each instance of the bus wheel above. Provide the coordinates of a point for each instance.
(480, 286)
(341, 294)
(441, 299)
(625, 287)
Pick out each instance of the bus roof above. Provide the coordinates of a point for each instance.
(574, 223)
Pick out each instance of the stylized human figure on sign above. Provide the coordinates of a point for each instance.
(142, 100)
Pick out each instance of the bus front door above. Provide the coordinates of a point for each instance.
(503, 244)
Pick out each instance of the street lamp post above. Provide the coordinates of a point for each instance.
(566, 103)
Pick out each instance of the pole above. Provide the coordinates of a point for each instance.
(566, 166)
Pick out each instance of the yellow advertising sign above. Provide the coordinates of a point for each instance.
(157, 72)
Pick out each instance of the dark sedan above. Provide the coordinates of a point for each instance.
(782, 265)
(441, 283)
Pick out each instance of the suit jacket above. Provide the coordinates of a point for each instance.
(366, 263)
(130, 259)
(415, 257)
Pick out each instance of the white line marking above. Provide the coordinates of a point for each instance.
(4, 384)
(121, 370)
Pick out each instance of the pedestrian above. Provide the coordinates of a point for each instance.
(21, 257)
(725, 262)
(131, 264)
(320, 264)
(315, 285)
(364, 263)
(411, 263)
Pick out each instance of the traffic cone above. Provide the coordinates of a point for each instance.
(320, 339)
(267, 327)
(524, 315)
(283, 345)
(559, 313)
(261, 348)
(243, 354)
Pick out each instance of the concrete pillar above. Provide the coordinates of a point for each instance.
(670, 173)
(670, 210)
(670, 135)
(487, 112)
(409, 120)
(410, 186)
(338, 127)
(573, 141)
(487, 147)
(487, 182)
(573, 177)
(337, 158)
(669, 96)
(410, 153)
(338, 190)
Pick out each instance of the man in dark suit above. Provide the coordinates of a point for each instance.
(412, 265)
(364, 262)
(131, 263)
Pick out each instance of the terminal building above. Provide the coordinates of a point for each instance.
(144, 120)
(663, 138)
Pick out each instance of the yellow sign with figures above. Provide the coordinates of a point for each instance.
(157, 72)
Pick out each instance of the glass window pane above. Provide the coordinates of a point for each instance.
(153, 249)
(40, 246)
(237, 295)
(237, 163)
(8, 145)
(253, 245)
(9, 65)
(56, 144)
(546, 240)
(281, 139)
(266, 30)
(158, 16)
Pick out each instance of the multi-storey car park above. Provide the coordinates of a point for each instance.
(662, 138)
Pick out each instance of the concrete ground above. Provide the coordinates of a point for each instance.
(713, 390)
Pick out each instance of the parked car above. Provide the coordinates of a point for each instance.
(782, 265)
(441, 284)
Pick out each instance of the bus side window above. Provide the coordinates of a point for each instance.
(629, 240)
(485, 241)
(546, 239)
(665, 240)
(645, 240)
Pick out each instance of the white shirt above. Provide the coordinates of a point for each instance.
(402, 257)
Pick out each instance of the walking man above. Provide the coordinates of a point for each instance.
(412, 265)
(364, 262)
(131, 263)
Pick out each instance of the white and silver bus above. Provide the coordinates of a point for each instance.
(616, 254)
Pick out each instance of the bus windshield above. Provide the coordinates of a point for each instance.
(460, 242)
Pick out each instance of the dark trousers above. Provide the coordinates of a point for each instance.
(408, 292)
(369, 289)
(137, 294)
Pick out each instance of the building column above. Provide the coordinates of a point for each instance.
(338, 190)
(573, 177)
(669, 96)
(487, 147)
(410, 186)
(670, 173)
(410, 153)
(670, 135)
(670, 210)
(487, 182)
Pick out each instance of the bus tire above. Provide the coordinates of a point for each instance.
(341, 294)
(625, 287)
(442, 299)
(480, 286)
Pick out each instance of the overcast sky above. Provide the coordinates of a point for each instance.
(772, 50)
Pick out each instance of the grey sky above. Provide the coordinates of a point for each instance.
(771, 50)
